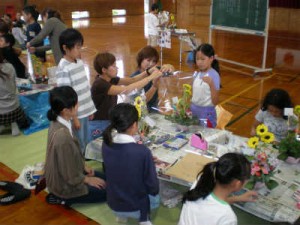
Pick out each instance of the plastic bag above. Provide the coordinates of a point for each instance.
(36, 107)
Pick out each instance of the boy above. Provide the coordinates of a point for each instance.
(71, 72)
(152, 25)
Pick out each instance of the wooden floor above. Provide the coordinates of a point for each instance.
(240, 94)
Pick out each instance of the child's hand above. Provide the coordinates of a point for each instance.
(90, 172)
(249, 196)
(167, 68)
(76, 123)
(95, 182)
(207, 80)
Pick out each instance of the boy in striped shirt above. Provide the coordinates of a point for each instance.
(71, 72)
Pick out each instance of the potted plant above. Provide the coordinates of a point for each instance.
(289, 148)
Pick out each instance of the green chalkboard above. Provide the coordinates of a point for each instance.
(245, 14)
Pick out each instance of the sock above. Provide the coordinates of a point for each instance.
(54, 200)
(15, 129)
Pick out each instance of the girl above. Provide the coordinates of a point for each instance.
(207, 201)
(68, 179)
(271, 113)
(33, 27)
(132, 184)
(107, 86)
(7, 42)
(53, 27)
(206, 85)
(10, 110)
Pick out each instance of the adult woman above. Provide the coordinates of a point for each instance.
(53, 27)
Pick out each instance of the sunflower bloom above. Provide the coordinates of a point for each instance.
(139, 111)
(261, 129)
(187, 87)
(187, 91)
(268, 137)
(138, 101)
(253, 142)
(297, 110)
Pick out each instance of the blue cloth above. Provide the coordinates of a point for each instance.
(205, 113)
(96, 128)
(154, 203)
(131, 177)
(82, 134)
(94, 195)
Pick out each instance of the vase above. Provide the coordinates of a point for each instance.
(292, 160)
(259, 185)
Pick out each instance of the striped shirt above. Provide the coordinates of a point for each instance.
(74, 75)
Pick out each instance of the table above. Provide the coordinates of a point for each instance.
(181, 36)
(275, 206)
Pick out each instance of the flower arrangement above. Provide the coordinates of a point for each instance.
(181, 109)
(289, 147)
(141, 106)
(263, 164)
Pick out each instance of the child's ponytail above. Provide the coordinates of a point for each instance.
(107, 136)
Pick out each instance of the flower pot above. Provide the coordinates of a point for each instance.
(292, 160)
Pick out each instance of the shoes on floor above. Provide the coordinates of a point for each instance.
(15, 131)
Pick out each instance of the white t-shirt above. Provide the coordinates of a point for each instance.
(208, 211)
(201, 90)
(152, 24)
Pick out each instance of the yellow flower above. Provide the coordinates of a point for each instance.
(297, 110)
(187, 87)
(253, 142)
(138, 101)
(139, 111)
(187, 91)
(261, 129)
(268, 137)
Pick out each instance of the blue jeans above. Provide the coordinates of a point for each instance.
(82, 134)
(96, 128)
(94, 194)
(154, 203)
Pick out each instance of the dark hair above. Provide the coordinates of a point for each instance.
(230, 166)
(9, 38)
(122, 116)
(31, 9)
(208, 50)
(146, 53)
(59, 99)
(4, 27)
(278, 98)
(70, 37)
(51, 13)
(3, 75)
(103, 60)
(154, 7)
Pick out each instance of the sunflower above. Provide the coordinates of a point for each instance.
(253, 142)
(187, 87)
(138, 101)
(297, 110)
(261, 129)
(267, 137)
(187, 91)
(139, 111)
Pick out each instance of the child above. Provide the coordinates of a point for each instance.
(206, 85)
(7, 42)
(132, 184)
(10, 110)
(107, 86)
(146, 58)
(271, 113)
(33, 27)
(68, 180)
(207, 201)
(152, 25)
(71, 72)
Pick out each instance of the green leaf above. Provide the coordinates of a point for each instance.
(250, 185)
(271, 184)
(283, 156)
